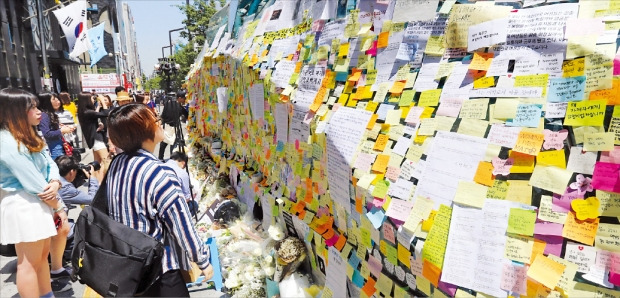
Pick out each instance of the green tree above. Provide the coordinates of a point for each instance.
(185, 56)
(154, 83)
(197, 19)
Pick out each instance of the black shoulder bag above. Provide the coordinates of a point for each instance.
(110, 257)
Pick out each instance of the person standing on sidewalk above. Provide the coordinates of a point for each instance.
(29, 182)
(89, 116)
(152, 201)
(171, 117)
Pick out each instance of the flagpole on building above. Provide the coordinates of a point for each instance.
(46, 74)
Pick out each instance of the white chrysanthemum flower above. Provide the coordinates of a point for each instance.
(275, 232)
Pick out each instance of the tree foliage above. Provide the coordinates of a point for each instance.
(197, 19)
(153, 83)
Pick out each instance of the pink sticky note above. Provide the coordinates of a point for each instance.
(399, 209)
(502, 166)
(554, 244)
(616, 72)
(449, 289)
(561, 203)
(377, 202)
(606, 176)
(611, 156)
(388, 232)
(554, 139)
(392, 173)
(373, 49)
(331, 241)
(548, 228)
(514, 278)
(374, 265)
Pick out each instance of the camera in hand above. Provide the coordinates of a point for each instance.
(80, 177)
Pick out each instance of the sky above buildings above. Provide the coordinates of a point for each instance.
(153, 19)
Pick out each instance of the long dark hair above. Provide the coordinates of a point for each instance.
(45, 105)
(84, 104)
(16, 104)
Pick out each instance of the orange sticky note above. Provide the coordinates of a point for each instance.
(382, 40)
(342, 240)
(582, 231)
(529, 142)
(431, 272)
(481, 61)
(611, 95)
(372, 121)
(369, 287)
(355, 76)
(397, 88)
(537, 249)
(381, 163)
(546, 271)
(484, 173)
(382, 140)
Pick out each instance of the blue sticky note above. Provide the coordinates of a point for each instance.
(280, 146)
(376, 217)
(342, 76)
(273, 288)
(528, 115)
(566, 89)
(358, 279)
(354, 260)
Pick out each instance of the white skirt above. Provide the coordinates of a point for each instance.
(24, 218)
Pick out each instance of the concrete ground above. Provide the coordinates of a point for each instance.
(8, 265)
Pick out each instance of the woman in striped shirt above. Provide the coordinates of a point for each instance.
(145, 194)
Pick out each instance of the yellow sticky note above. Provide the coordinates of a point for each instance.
(585, 113)
(578, 46)
(518, 248)
(586, 209)
(610, 203)
(427, 224)
(397, 88)
(403, 255)
(552, 158)
(602, 141)
(550, 178)
(484, 82)
(529, 142)
(343, 50)
(573, 68)
(423, 284)
(438, 237)
(435, 45)
(406, 99)
(470, 194)
(607, 237)
(393, 117)
(429, 98)
(519, 191)
(582, 231)
(546, 271)
(481, 61)
(473, 127)
(499, 190)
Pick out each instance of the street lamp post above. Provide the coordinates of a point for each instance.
(170, 37)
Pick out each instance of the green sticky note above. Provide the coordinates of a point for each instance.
(381, 189)
(406, 98)
(392, 254)
(293, 78)
(365, 234)
(314, 206)
(521, 221)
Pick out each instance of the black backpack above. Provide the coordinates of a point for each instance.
(110, 257)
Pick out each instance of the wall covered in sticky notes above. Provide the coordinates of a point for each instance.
(441, 147)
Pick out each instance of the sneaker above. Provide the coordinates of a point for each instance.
(60, 286)
(63, 274)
